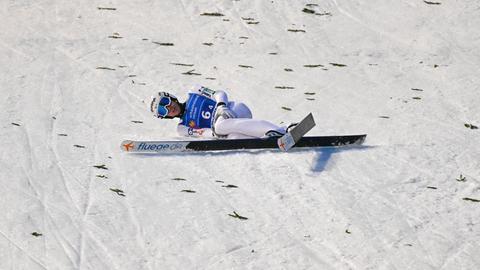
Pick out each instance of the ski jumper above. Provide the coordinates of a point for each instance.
(203, 117)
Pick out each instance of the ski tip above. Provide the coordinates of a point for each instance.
(310, 116)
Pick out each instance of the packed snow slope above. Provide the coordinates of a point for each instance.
(75, 77)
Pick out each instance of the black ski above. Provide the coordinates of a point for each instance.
(236, 144)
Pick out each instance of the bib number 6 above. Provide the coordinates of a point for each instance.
(206, 114)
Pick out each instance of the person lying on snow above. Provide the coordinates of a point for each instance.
(209, 113)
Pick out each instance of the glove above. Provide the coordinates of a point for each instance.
(224, 111)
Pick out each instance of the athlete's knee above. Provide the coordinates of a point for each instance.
(242, 110)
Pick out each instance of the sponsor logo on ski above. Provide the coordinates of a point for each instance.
(159, 146)
(176, 146)
(128, 146)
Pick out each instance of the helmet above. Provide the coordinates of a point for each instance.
(159, 104)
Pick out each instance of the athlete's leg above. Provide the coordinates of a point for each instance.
(239, 136)
(245, 126)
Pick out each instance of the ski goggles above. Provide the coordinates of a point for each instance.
(162, 110)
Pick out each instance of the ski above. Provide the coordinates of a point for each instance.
(236, 144)
(288, 140)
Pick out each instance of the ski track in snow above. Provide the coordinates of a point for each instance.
(75, 77)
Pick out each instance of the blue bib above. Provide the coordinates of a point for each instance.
(199, 112)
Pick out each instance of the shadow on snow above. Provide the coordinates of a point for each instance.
(320, 162)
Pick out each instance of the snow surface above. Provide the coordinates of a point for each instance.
(74, 77)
